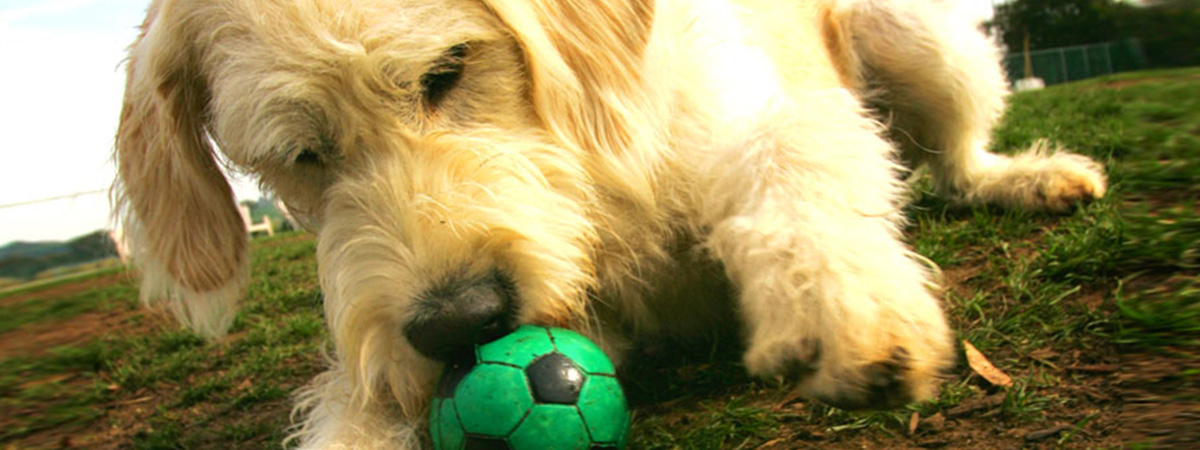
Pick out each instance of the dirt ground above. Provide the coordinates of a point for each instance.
(1159, 405)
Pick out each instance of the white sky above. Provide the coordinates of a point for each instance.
(61, 83)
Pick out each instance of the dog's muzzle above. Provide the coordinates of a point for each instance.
(452, 317)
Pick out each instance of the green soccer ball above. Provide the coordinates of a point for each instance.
(535, 389)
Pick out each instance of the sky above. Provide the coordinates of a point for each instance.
(61, 82)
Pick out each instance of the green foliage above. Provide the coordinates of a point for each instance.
(1167, 30)
(1055, 23)
(1164, 29)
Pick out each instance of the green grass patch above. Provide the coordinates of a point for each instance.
(722, 424)
(193, 384)
(12, 287)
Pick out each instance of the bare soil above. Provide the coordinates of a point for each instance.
(37, 339)
(1162, 402)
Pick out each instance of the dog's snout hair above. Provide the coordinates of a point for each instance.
(439, 208)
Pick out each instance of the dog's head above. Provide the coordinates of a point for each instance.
(442, 150)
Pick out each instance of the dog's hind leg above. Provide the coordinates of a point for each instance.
(938, 83)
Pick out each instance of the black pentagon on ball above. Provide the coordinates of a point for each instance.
(555, 379)
(486, 443)
(452, 375)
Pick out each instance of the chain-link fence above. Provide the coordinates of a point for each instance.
(1064, 64)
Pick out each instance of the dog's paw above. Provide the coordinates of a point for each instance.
(884, 383)
(883, 361)
(790, 358)
(1041, 180)
(1066, 180)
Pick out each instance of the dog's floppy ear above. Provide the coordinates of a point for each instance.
(586, 60)
(172, 198)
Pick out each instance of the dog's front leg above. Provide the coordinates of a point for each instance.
(329, 421)
(804, 215)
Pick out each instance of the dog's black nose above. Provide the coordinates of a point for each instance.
(452, 317)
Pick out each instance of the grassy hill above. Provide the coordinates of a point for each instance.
(1094, 314)
(33, 249)
(24, 260)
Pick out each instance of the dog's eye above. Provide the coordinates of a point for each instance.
(440, 80)
(307, 157)
(315, 153)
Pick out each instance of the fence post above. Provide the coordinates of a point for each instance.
(1087, 66)
(1062, 59)
(1108, 56)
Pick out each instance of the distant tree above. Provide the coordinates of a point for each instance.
(1167, 29)
(91, 246)
(24, 260)
(1056, 23)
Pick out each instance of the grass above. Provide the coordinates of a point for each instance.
(1049, 299)
(83, 272)
(38, 310)
(212, 386)
(1023, 284)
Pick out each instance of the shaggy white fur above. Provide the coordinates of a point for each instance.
(629, 164)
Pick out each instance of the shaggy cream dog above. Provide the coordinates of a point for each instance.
(621, 167)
